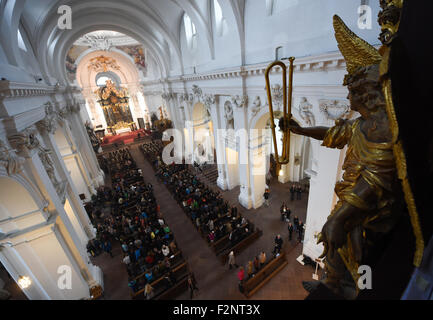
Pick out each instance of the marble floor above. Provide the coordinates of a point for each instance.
(216, 281)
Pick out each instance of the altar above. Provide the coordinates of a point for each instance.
(115, 105)
(123, 130)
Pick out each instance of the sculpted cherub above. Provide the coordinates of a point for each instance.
(362, 216)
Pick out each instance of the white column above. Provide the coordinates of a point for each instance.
(85, 148)
(321, 198)
(219, 144)
(259, 155)
(241, 125)
(63, 166)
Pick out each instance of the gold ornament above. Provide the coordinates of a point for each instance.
(356, 52)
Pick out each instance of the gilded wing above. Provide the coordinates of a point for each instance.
(356, 52)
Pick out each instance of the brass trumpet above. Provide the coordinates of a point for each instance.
(287, 110)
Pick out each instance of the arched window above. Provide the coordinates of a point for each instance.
(190, 32)
(101, 81)
(102, 77)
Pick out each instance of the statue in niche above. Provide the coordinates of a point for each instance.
(364, 213)
(305, 112)
(257, 104)
(96, 144)
(229, 115)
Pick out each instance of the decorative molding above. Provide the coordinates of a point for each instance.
(25, 139)
(240, 102)
(73, 108)
(182, 97)
(168, 96)
(334, 109)
(196, 90)
(103, 64)
(277, 96)
(257, 105)
(325, 62)
(209, 99)
(9, 160)
(98, 42)
(10, 89)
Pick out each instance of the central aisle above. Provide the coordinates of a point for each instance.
(215, 281)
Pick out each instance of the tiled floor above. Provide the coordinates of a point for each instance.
(215, 281)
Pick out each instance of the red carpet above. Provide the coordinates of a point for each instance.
(127, 137)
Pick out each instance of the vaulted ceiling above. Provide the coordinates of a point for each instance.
(155, 24)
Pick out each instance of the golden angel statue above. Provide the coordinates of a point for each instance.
(363, 214)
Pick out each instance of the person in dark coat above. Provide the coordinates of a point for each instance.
(298, 193)
(296, 223)
(290, 229)
(107, 248)
(292, 192)
(192, 285)
(266, 196)
(283, 211)
(300, 231)
(278, 244)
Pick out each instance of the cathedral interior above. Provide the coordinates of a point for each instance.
(215, 150)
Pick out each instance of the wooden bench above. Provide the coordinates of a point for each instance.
(220, 244)
(176, 259)
(180, 287)
(240, 246)
(270, 270)
(158, 284)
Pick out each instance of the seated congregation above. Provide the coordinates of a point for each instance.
(222, 226)
(129, 214)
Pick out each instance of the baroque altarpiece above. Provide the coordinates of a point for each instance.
(115, 104)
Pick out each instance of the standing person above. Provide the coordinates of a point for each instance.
(296, 223)
(266, 196)
(298, 192)
(283, 211)
(192, 285)
(234, 211)
(300, 231)
(256, 264)
(125, 247)
(107, 248)
(241, 276)
(288, 213)
(232, 260)
(292, 192)
(278, 244)
(148, 291)
(262, 259)
(250, 269)
(290, 228)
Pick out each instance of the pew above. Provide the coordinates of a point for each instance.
(176, 260)
(270, 270)
(179, 287)
(241, 245)
(179, 272)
